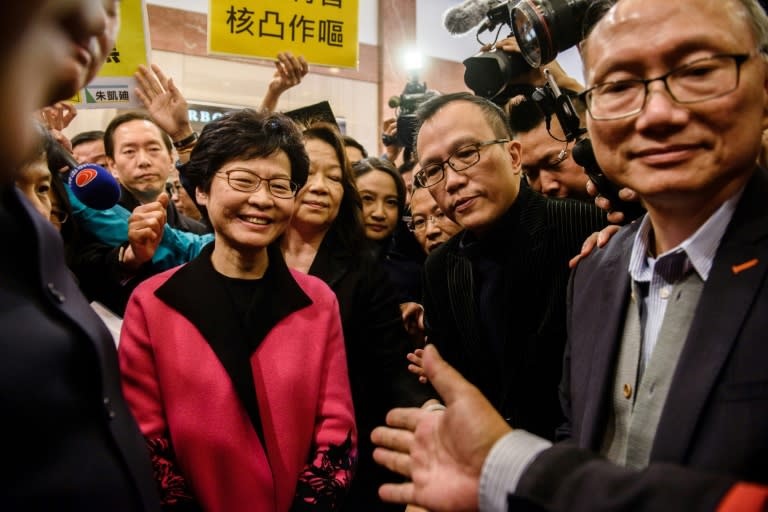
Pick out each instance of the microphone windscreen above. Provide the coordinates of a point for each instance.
(467, 15)
(94, 186)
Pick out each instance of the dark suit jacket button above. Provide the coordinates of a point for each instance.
(108, 408)
(56, 294)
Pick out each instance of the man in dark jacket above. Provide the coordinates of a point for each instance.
(140, 156)
(494, 295)
(72, 444)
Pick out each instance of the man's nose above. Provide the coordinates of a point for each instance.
(660, 108)
(550, 186)
(144, 157)
(433, 228)
(454, 180)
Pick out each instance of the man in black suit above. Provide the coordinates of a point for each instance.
(494, 294)
(665, 384)
(70, 441)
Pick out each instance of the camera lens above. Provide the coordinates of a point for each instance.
(543, 28)
(487, 73)
(527, 28)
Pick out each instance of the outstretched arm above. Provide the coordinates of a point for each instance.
(165, 103)
(288, 73)
(441, 451)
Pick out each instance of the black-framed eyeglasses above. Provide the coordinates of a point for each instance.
(460, 160)
(246, 181)
(700, 80)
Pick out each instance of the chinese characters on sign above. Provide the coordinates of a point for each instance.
(323, 31)
(113, 95)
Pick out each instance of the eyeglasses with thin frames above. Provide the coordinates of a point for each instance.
(417, 224)
(700, 80)
(460, 160)
(244, 180)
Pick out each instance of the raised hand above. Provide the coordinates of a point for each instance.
(389, 133)
(536, 75)
(164, 101)
(289, 71)
(56, 117)
(145, 230)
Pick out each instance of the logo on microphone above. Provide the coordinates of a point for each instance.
(85, 176)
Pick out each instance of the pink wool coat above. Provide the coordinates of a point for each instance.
(192, 394)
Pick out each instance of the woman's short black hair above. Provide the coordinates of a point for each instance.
(369, 164)
(243, 135)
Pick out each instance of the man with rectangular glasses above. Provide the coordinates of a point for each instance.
(494, 294)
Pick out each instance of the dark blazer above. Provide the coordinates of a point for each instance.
(71, 442)
(377, 345)
(715, 418)
(532, 243)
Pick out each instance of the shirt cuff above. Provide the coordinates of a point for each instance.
(505, 465)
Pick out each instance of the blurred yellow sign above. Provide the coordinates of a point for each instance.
(323, 31)
(114, 86)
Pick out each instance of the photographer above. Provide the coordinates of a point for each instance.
(547, 163)
(548, 118)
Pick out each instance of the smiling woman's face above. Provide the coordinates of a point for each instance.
(317, 203)
(246, 222)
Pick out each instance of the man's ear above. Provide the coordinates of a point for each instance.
(112, 167)
(201, 197)
(515, 150)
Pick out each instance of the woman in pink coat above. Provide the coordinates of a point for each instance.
(234, 365)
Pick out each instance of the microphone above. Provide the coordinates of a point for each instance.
(468, 14)
(94, 186)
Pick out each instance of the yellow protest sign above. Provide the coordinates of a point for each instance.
(323, 31)
(114, 86)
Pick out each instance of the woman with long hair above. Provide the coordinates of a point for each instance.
(326, 239)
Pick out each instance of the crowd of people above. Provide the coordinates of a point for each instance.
(458, 326)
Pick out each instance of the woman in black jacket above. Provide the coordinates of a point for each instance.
(326, 239)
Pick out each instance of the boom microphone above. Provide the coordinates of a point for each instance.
(94, 186)
(467, 15)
